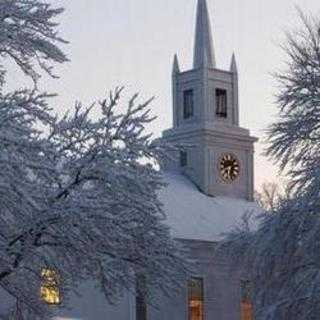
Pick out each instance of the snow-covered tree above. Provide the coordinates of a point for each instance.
(78, 195)
(28, 36)
(268, 196)
(282, 254)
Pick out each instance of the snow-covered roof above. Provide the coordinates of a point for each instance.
(193, 215)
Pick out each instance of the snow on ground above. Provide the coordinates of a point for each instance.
(193, 215)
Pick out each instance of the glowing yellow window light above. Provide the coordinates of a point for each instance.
(246, 311)
(246, 303)
(49, 291)
(195, 299)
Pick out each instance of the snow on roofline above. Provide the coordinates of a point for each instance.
(193, 215)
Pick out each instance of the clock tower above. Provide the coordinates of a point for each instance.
(217, 154)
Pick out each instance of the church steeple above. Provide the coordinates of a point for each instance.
(219, 153)
(203, 47)
(233, 65)
(175, 66)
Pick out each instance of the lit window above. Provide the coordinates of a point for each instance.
(49, 291)
(187, 104)
(246, 302)
(183, 158)
(195, 299)
(221, 103)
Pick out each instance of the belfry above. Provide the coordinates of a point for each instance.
(219, 159)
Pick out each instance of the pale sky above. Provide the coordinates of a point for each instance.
(132, 43)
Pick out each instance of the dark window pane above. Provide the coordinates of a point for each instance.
(221, 103)
(141, 305)
(195, 299)
(183, 158)
(187, 104)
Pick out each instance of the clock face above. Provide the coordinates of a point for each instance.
(229, 168)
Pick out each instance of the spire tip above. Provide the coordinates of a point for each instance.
(203, 48)
(233, 65)
(175, 67)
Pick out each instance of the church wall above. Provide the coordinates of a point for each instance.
(217, 187)
(221, 288)
(220, 79)
(197, 110)
(204, 95)
(211, 105)
(221, 294)
(92, 305)
(6, 302)
(205, 149)
(187, 81)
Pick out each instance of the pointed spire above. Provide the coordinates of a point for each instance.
(233, 65)
(203, 47)
(175, 67)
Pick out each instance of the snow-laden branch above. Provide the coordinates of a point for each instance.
(282, 255)
(78, 194)
(28, 35)
(84, 200)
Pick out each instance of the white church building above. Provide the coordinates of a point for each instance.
(209, 189)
